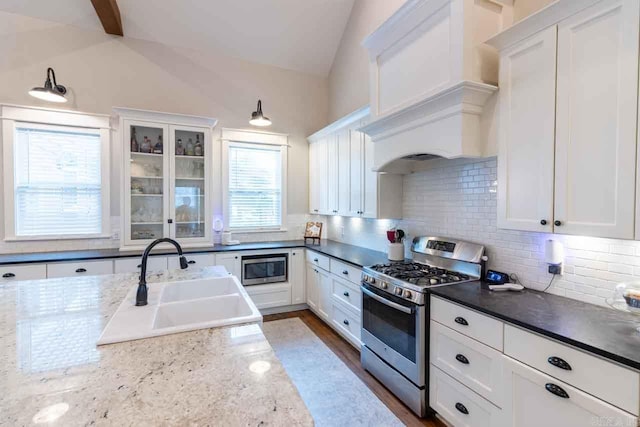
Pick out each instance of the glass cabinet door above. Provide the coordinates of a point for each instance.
(190, 172)
(148, 175)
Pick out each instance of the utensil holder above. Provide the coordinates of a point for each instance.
(396, 252)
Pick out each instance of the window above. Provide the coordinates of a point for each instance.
(255, 193)
(56, 188)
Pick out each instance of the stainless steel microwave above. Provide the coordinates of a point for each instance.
(262, 269)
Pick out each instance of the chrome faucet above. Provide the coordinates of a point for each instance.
(141, 296)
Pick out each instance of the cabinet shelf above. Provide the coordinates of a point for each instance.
(185, 156)
(189, 179)
(137, 153)
(148, 223)
(146, 177)
(189, 222)
(146, 195)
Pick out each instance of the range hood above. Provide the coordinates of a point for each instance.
(433, 81)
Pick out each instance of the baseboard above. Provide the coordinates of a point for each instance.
(283, 309)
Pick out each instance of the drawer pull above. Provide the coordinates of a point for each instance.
(81, 270)
(315, 260)
(557, 390)
(345, 272)
(559, 363)
(191, 262)
(139, 266)
(460, 358)
(461, 321)
(8, 275)
(346, 322)
(345, 293)
(460, 407)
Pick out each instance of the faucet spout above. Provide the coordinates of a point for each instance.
(141, 295)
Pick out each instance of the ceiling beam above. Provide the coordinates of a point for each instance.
(109, 15)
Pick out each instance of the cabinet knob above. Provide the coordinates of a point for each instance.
(81, 270)
(460, 358)
(191, 261)
(461, 408)
(346, 322)
(559, 363)
(345, 293)
(345, 272)
(315, 260)
(139, 266)
(236, 257)
(557, 223)
(543, 222)
(170, 221)
(8, 275)
(557, 390)
(461, 321)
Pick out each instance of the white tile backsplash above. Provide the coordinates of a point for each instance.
(457, 198)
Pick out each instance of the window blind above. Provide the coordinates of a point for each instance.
(255, 187)
(57, 181)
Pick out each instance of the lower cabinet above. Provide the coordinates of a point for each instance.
(270, 296)
(296, 276)
(232, 262)
(312, 286)
(22, 272)
(324, 294)
(193, 260)
(133, 265)
(81, 268)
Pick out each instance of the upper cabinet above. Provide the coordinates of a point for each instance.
(341, 177)
(432, 78)
(166, 178)
(568, 119)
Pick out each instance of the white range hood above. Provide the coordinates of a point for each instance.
(432, 81)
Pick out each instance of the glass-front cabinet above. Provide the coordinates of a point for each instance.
(167, 178)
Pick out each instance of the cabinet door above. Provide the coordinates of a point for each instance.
(369, 180)
(311, 283)
(344, 164)
(322, 170)
(193, 261)
(596, 121)
(296, 276)
(146, 187)
(527, 126)
(189, 193)
(231, 262)
(324, 294)
(356, 163)
(313, 179)
(534, 399)
(332, 175)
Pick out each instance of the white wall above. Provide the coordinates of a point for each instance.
(457, 199)
(102, 71)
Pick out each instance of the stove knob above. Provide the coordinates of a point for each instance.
(398, 291)
(384, 285)
(372, 280)
(407, 294)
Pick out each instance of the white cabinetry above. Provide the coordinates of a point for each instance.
(582, 179)
(231, 261)
(167, 166)
(341, 178)
(133, 265)
(296, 276)
(79, 268)
(193, 260)
(312, 286)
(22, 272)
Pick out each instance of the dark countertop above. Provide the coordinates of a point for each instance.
(606, 332)
(352, 254)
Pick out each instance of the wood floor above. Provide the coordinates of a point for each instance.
(351, 357)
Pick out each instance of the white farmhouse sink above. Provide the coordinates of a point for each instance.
(179, 307)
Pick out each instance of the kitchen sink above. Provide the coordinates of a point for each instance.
(181, 306)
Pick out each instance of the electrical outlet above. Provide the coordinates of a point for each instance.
(555, 269)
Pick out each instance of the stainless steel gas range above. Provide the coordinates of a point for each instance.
(395, 312)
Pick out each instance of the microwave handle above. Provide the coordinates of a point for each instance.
(385, 301)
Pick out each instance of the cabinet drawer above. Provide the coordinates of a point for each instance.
(132, 265)
(346, 271)
(268, 296)
(193, 260)
(81, 268)
(346, 323)
(319, 260)
(475, 365)
(348, 293)
(605, 380)
(468, 322)
(536, 399)
(22, 272)
(457, 404)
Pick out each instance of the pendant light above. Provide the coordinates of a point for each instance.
(52, 92)
(257, 118)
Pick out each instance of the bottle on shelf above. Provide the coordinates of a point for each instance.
(157, 149)
(146, 145)
(190, 147)
(198, 149)
(180, 148)
(135, 147)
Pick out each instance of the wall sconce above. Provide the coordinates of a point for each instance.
(257, 118)
(52, 92)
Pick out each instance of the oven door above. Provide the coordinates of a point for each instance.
(260, 269)
(394, 329)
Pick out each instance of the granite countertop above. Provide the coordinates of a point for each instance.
(352, 254)
(52, 367)
(604, 331)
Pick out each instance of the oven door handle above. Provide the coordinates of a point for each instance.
(387, 302)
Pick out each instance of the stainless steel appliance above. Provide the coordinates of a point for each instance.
(395, 312)
(262, 269)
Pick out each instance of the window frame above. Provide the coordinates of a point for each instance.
(14, 116)
(246, 138)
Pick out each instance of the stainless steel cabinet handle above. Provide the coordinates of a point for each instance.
(559, 363)
(386, 302)
(557, 390)
(461, 408)
(8, 275)
(81, 270)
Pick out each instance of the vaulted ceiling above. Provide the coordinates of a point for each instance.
(301, 35)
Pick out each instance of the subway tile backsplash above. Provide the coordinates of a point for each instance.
(457, 198)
